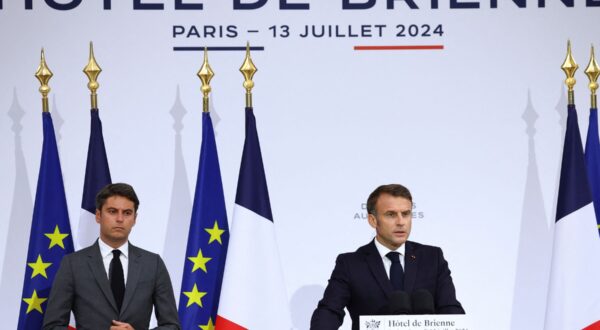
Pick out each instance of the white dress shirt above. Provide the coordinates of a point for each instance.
(107, 256)
(387, 263)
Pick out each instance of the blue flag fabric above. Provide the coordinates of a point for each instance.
(208, 240)
(50, 238)
(252, 192)
(592, 158)
(97, 175)
(97, 172)
(574, 189)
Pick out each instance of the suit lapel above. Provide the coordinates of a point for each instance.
(411, 264)
(376, 266)
(133, 275)
(97, 268)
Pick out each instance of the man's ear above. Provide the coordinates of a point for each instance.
(372, 220)
(97, 216)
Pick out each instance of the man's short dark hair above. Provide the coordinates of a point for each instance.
(396, 190)
(117, 189)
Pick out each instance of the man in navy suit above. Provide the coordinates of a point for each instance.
(363, 281)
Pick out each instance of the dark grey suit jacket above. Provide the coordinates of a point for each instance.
(81, 285)
(359, 282)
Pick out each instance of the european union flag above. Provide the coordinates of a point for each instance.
(207, 240)
(50, 237)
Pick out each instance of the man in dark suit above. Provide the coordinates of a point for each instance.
(112, 284)
(363, 281)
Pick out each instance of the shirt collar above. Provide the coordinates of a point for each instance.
(383, 250)
(106, 250)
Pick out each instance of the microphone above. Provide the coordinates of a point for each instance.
(422, 302)
(398, 304)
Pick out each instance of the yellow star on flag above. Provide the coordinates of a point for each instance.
(56, 238)
(39, 267)
(215, 233)
(194, 296)
(199, 261)
(208, 326)
(34, 302)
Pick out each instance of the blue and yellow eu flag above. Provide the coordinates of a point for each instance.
(207, 240)
(50, 238)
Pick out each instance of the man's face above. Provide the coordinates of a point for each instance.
(116, 218)
(392, 221)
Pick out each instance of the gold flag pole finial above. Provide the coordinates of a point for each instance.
(92, 71)
(569, 67)
(43, 74)
(248, 69)
(205, 74)
(593, 71)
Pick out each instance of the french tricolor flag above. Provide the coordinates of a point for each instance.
(253, 295)
(574, 292)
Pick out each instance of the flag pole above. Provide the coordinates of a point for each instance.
(569, 67)
(205, 74)
(43, 74)
(593, 71)
(248, 69)
(92, 71)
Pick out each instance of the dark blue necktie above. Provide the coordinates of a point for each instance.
(396, 271)
(117, 279)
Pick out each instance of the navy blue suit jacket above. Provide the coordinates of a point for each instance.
(359, 282)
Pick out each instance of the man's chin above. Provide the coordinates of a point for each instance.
(117, 237)
(398, 242)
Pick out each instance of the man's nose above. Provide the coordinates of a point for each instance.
(402, 220)
(120, 216)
